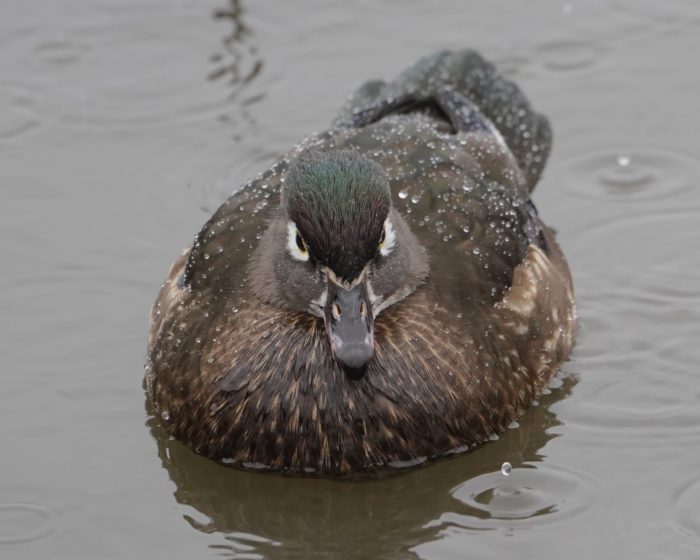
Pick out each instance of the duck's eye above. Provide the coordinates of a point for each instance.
(296, 246)
(301, 244)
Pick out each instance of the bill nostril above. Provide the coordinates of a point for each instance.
(337, 311)
(363, 309)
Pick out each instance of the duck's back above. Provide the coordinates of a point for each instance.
(455, 361)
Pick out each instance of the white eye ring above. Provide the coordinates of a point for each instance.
(387, 245)
(292, 245)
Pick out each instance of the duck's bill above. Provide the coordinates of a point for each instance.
(350, 327)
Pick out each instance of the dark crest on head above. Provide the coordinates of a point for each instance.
(339, 201)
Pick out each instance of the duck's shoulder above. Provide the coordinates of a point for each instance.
(462, 195)
(223, 245)
(211, 272)
(433, 168)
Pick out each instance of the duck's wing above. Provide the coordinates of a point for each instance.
(221, 249)
(427, 129)
(452, 85)
(461, 192)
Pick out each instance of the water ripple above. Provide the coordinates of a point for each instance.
(570, 55)
(685, 509)
(527, 497)
(24, 522)
(667, 12)
(659, 248)
(15, 115)
(626, 175)
(556, 57)
(92, 73)
(642, 377)
(638, 313)
(61, 52)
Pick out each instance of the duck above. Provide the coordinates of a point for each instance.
(385, 294)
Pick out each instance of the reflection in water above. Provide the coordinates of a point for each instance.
(244, 63)
(627, 175)
(279, 516)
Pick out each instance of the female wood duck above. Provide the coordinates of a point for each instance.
(383, 294)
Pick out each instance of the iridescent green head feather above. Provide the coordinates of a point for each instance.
(339, 202)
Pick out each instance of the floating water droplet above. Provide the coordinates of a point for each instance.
(506, 468)
(641, 174)
(403, 194)
(165, 415)
(623, 161)
(415, 199)
(534, 497)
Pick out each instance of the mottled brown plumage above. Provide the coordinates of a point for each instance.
(240, 376)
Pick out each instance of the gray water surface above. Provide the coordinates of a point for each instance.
(124, 124)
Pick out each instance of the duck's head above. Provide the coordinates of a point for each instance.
(338, 250)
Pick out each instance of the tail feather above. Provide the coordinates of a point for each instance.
(527, 133)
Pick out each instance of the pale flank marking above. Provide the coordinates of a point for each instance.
(387, 245)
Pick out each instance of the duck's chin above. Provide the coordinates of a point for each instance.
(355, 373)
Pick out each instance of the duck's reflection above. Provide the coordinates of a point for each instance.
(241, 61)
(279, 516)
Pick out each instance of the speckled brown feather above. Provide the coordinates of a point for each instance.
(253, 384)
(281, 402)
